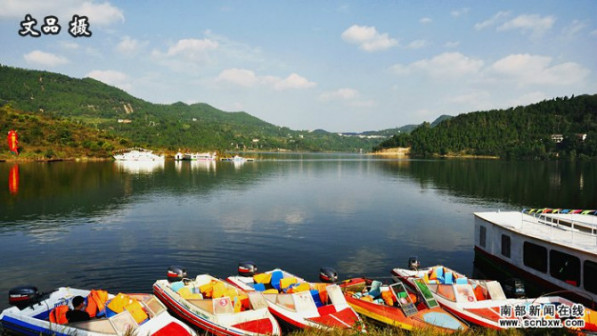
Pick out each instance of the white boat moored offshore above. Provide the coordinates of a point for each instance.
(553, 248)
(138, 154)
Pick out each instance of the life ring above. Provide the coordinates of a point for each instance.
(471, 298)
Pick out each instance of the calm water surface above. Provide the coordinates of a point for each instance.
(119, 227)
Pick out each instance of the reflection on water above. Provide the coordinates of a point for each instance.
(140, 167)
(105, 226)
(13, 179)
(202, 165)
(206, 165)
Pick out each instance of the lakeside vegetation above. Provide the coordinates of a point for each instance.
(172, 127)
(57, 116)
(378, 330)
(45, 138)
(558, 128)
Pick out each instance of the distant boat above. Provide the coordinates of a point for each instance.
(138, 154)
(237, 159)
(34, 313)
(196, 156)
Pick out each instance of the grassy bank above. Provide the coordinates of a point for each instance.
(375, 330)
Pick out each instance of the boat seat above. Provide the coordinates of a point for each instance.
(375, 290)
(461, 281)
(277, 276)
(102, 326)
(316, 298)
(287, 282)
(449, 278)
(176, 286)
(203, 304)
(262, 278)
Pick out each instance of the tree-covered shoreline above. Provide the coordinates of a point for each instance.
(558, 128)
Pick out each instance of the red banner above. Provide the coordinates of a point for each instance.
(13, 141)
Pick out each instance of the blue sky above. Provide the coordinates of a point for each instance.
(336, 65)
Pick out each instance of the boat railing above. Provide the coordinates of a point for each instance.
(579, 231)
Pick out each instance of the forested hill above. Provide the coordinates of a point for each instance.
(531, 131)
(170, 127)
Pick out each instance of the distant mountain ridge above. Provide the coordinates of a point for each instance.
(170, 126)
(406, 128)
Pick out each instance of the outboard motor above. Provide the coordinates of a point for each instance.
(23, 296)
(328, 274)
(176, 273)
(514, 288)
(413, 263)
(247, 268)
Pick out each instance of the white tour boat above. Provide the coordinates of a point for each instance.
(138, 154)
(553, 248)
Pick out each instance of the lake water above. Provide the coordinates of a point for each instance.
(118, 227)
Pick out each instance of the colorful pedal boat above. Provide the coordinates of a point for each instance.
(299, 303)
(217, 307)
(396, 306)
(34, 319)
(482, 302)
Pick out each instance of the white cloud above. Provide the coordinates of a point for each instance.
(100, 14)
(459, 12)
(425, 20)
(248, 78)
(129, 46)
(574, 28)
(340, 94)
(498, 17)
(191, 48)
(417, 44)
(187, 54)
(368, 38)
(241, 77)
(111, 77)
(449, 64)
(525, 69)
(38, 57)
(532, 23)
(293, 81)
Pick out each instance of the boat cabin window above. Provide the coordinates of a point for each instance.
(482, 235)
(565, 267)
(590, 276)
(506, 246)
(535, 256)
